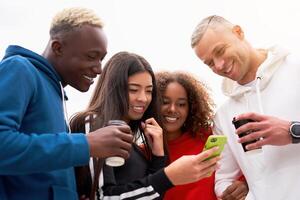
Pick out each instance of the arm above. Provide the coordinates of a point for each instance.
(184, 170)
(24, 153)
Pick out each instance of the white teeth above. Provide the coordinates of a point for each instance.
(89, 78)
(171, 119)
(138, 108)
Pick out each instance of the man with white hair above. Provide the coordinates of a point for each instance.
(253, 82)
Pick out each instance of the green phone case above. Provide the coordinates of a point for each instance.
(215, 140)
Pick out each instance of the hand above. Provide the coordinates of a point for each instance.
(110, 141)
(154, 134)
(267, 130)
(192, 168)
(238, 190)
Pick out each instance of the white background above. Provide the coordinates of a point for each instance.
(159, 30)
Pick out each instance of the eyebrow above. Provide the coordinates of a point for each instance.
(139, 85)
(214, 51)
(218, 47)
(97, 53)
(179, 99)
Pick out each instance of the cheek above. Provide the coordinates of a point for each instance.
(184, 114)
(130, 98)
(164, 109)
(149, 99)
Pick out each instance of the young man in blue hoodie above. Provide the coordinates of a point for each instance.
(37, 153)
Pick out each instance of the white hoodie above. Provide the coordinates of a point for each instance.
(275, 173)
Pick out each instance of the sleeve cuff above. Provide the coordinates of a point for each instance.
(160, 181)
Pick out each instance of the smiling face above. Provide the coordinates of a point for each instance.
(175, 109)
(139, 94)
(226, 53)
(79, 56)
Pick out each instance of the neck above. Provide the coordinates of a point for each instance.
(257, 57)
(173, 135)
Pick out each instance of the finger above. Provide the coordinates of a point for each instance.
(235, 193)
(258, 144)
(125, 136)
(123, 145)
(122, 153)
(123, 128)
(207, 171)
(207, 153)
(227, 197)
(153, 129)
(210, 163)
(250, 126)
(252, 136)
(151, 121)
(230, 189)
(251, 115)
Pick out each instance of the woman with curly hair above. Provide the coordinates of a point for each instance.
(187, 111)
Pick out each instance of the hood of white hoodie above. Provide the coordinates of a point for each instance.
(276, 56)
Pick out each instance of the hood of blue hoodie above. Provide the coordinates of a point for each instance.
(38, 61)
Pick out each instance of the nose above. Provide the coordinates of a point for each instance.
(172, 107)
(98, 68)
(142, 96)
(219, 63)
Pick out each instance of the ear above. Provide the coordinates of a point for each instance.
(238, 31)
(56, 47)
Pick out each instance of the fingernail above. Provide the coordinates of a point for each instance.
(216, 148)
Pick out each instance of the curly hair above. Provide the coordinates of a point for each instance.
(201, 105)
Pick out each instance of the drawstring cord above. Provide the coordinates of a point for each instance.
(257, 87)
(64, 107)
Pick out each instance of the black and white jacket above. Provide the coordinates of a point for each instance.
(138, 178)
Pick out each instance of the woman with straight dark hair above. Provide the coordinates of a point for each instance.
(127, 91)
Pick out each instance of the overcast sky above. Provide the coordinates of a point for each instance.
(159, 30)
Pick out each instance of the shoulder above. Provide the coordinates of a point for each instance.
(17, 64)
(293, 58)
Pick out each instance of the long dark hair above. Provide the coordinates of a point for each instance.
(110, 97)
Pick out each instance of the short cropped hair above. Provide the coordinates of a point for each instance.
(70, 19)
(213, 22)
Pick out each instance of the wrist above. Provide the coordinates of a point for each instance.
(158, 152)
(90, 140)
(169, 173)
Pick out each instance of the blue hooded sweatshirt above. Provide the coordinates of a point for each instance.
(37, 154)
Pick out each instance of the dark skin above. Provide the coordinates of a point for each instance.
(77, 58)
(238, 190)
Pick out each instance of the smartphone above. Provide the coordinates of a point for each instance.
(215, 140)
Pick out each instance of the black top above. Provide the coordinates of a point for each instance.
(138, 177)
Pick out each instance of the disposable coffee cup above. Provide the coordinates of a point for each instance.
(115, 161)
(239, 123)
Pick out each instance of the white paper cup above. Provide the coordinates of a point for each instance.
(114, 161)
